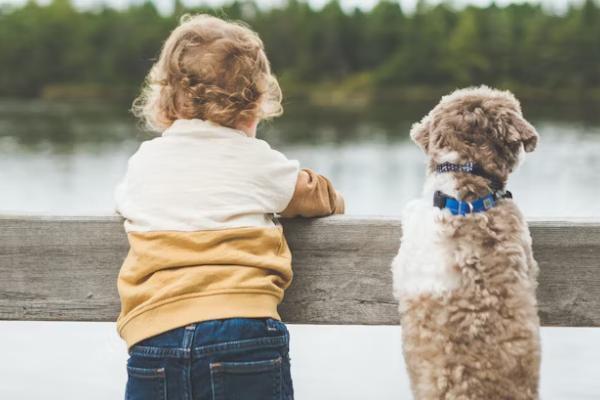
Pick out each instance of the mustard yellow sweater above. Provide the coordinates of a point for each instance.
(198, 204)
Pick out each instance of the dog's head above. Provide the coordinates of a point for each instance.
(476, 124)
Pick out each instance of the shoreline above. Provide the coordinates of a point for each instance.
(350, 92)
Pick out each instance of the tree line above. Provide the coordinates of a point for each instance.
(522, 46)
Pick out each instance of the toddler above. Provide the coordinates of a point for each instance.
(208, 264)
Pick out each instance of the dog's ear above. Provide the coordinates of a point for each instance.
(519, 130)
(419, 133)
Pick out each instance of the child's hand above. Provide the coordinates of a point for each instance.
(340, 204)
(314, 196)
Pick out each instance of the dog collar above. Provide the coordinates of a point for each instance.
(459, 207)
(470, 168)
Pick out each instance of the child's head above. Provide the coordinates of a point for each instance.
(212, 70)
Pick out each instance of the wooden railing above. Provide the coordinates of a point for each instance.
(65, 269)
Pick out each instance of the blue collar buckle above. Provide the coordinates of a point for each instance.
(460, 207)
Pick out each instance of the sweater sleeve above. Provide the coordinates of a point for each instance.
(314, 196)
(120, 196)
(121, 193)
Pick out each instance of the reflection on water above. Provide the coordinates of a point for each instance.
(65, 159)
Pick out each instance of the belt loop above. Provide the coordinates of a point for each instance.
(271, 325)
(188, 336)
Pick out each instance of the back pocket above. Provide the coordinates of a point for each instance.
(146, 384)
(250, 380)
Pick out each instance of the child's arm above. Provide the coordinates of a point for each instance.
(314, 196)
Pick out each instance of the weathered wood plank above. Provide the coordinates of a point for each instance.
(65, 268)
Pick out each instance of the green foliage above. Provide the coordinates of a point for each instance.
(44, 48)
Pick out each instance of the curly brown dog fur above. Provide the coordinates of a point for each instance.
(466, 284)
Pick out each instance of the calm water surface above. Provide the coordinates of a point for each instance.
(60, 158)
(66, 159)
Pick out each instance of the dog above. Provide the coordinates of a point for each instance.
(465, 275)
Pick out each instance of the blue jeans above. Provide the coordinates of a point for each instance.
(230, 359)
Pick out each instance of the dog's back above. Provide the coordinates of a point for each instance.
(467, 299)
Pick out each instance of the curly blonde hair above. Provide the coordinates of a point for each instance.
(209, 69)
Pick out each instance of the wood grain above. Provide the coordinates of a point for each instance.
(65, 269)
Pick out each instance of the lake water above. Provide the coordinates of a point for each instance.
(61, 158)
(66, 159)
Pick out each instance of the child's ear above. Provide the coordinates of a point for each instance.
(519, 130)
(419, 133)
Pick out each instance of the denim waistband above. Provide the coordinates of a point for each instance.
(179, 343)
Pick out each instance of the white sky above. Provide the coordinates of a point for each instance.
(407, 5)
